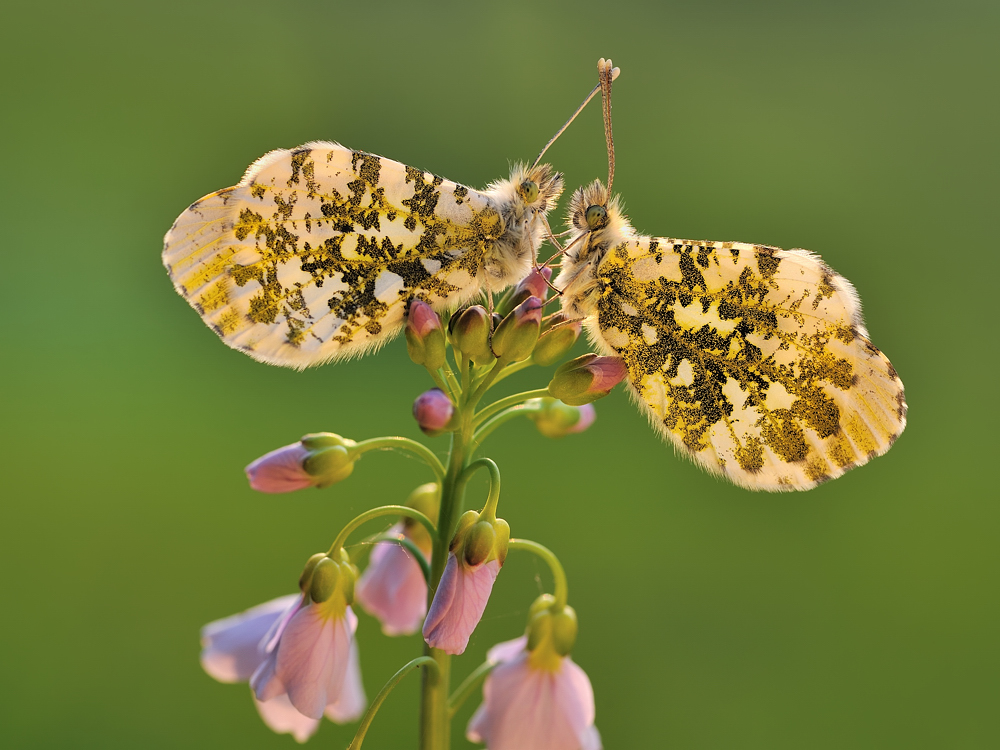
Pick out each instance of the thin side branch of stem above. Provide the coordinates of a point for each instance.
(487, 427)
(402, 443)
(498, 406)
(383, 510)
(468, 687)
(366, 720)
(558, 574)
(490, 508)
(407, 544)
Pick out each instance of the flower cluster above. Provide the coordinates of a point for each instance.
(434, 568)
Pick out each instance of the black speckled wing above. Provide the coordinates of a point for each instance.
(314, 255)
(753, 360)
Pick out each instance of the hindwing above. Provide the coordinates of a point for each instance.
(753, 360)
(315, 254)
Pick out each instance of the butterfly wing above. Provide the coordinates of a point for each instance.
(753, 360)
(315, 254)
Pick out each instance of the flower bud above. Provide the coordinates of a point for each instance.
(535, 284)
(433, 410)
(329, 465)
(324, 580)
(424, 336)
(306, 578)
(479, 542)
(516, 336)
(470, 334)
(556, 342)
(551, 629)
(587, 379)
(296, 466)
(556, 419)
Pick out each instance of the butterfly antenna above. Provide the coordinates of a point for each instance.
(613, 74)
(607, 74)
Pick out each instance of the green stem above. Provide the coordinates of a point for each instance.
(468, 687)
(435, 723)
(511, 369)
(402, 443)
(498, 406)
(489, 511)
(366, 721)
(484, 384)
(439, 382)
(456, 389)
(409, 546)
(562, 589)
(382, 510)
(503, 417)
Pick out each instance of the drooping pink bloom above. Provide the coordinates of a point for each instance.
(459, 603)
(309, 659)
(235, 647)
(393, 588)
(534, 703)
(587, 416)
(280, 470)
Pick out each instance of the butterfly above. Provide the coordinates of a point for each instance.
(752, 360)
(315, 255)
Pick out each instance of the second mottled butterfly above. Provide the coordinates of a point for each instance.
(752, 360)
(317, 252)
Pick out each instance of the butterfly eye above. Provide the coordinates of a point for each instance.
(597, 217)
(528, 191)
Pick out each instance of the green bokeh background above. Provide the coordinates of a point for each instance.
(863, 614)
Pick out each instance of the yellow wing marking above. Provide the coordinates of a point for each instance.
(753, 360)
(314, 255)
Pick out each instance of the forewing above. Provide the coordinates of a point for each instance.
(751, 359)
(317, 251)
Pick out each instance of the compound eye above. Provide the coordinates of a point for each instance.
(597, 217)
(528, 191)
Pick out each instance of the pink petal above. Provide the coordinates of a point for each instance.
(507, 650)
(232, 648)
(524, 707)
(352, 701)
(280, 470)
(281, 717)
(393, 588)
(458, 604)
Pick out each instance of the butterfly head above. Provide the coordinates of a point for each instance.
(539, 186)
(597, 221)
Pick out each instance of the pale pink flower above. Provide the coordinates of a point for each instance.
(393, 588)
(459, 603)
(280, 470)
(235, 647)
(309, 659)
(527, 705)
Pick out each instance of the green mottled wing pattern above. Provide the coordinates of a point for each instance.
(315, 254)
(752, 360)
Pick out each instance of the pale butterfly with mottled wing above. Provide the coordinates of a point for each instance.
(317, 252)
(753, 360)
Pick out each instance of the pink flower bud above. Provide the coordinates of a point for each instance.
(470, 334)
(424, 336)
(280, 470)
(433, 410)
(535, 284)
(516, 336)
(587, 379)
(526, 704)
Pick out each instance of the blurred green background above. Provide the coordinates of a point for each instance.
(863, 614)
